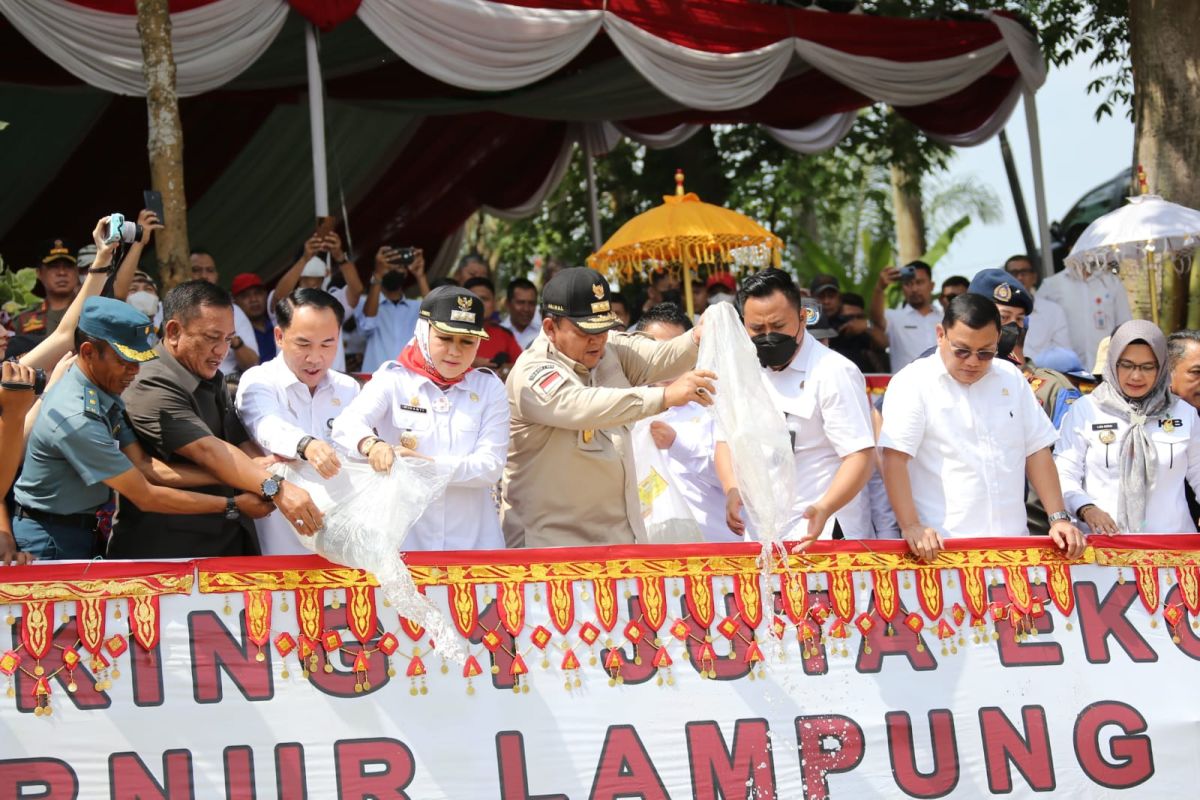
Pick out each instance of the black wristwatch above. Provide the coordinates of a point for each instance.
(270, 487)
(302, 446)
(231, 509)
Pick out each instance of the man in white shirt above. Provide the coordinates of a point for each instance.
(243, 348)
(387, 318)
(961, 432)
(1094, 302)
(911, 328)
(524, 320)
(288, 404)
(823, 398)
(1047, 323)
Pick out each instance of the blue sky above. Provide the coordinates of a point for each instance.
(1077, 154)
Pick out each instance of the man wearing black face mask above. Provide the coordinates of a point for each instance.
(386, 318)
(823, 399)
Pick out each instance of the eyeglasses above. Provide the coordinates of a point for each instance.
(963, 353)
(1023, 271)
(1144, 369)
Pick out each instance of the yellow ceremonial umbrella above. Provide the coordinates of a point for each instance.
(685, 231)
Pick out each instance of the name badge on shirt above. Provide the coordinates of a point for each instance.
(1104, 426)
(910, 327)
(416, 409)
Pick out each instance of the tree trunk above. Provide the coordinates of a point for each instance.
(910, 216)
(164, 141)
(1166, 86)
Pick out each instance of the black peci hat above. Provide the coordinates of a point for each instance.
(581, 295)
(456, 311)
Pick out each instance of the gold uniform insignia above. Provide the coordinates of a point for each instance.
(474, 397)
(464, 303)
(588, 436)
(1168, 425)
(1107, 437)
(407, 439)
(1003, 293)
(598, 290)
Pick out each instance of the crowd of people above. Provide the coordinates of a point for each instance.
(164, 417)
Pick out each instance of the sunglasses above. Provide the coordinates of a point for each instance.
(963, 353)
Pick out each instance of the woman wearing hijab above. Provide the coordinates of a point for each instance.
(431, 404)
(1125, 450)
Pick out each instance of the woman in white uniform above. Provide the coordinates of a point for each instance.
(1125, 450)
(431, 404)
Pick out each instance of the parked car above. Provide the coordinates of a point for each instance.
(1106, 197)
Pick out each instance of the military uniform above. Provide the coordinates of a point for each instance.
(76, 444)
(570, 477)
(39, 321)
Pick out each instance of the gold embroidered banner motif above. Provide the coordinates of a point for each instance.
(654, 603)
(929, 590)
(841, 593)
(35, 629)
(258, 616)
(464, 607)
(749, 597)
(698, 591)
(886, 594)
(143, 621)
(1058, 580)
(795, 594)
(512, 606)
(360, 613)
(974, 591)
(89, 622)
(1189, 587)
(1019, 593)
(310, 612)
(561, 600)
(606, 601)
(1147, 583)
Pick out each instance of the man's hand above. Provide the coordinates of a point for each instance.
(1067, 537)
(104, 251)
(314, 244)
(817, 515)
(662, 434)
(252, 505)
(733, 512)
(698, 331)
(9, 554)
(381, 456)
(321, 456)
(889, 276)
(417, 267)
(332, 244)
(149, 223)
(385, 260)
(691, 387)
(924, 543)
(16, 397)
(854, 327)
(298, 508)
(1098, 520)
(268, 461)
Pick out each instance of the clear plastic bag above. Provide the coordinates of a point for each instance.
(757, 436)
(367, 517)
(665, 511)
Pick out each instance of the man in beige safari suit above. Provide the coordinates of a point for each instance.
(574, 395)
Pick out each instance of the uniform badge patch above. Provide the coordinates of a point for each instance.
(546, 383)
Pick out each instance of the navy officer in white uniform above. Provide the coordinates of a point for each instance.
(431, 403)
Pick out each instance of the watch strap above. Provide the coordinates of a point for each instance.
(302, 445)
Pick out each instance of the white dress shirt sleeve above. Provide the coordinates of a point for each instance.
(845, 410)
(1193, 448)
(260, 408)
(1070, 457)
(485, 464)
(694, 444)
(903, 413)
(1060, 333)
(364, 414)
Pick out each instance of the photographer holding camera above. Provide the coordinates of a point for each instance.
(912, 328)
(387, 319)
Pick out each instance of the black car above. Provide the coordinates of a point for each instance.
(1106, 197)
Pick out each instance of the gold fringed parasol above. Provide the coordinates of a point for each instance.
(684, 231)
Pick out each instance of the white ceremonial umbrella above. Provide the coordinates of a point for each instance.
(1138, 236)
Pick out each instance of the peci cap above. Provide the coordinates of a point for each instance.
(822, 282)
(453, 310)
(581, 295)
(243, 281)
(122, 326)
(314, 268)
(1002, 288)
(58, 250)
(815, 320)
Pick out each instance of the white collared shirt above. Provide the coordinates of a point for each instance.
(278, 411)
(464, 428)
(1047, 328)
(1090, 467)
(690, 460)
(388, 331)
(910, 333)
(1093, 307)
(525, 337)
(338, 293)
(823, 398)
(968, 444)
(244, 329)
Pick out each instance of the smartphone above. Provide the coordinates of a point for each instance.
(152, 201)
(325, 225)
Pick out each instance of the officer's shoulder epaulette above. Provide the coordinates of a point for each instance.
(91, 403)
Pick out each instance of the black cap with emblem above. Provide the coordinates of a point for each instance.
(581, 295)
(452, 310)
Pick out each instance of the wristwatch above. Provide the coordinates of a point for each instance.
(1059, 516)
(364, 448)
(231, 509)
(270, 487)
(302, 446)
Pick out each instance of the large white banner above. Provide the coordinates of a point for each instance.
(1100, 702)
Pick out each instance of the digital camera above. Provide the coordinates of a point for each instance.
(122, 230)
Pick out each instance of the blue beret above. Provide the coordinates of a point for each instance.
(1002, 288)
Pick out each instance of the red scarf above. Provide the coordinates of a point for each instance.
(412, 358)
